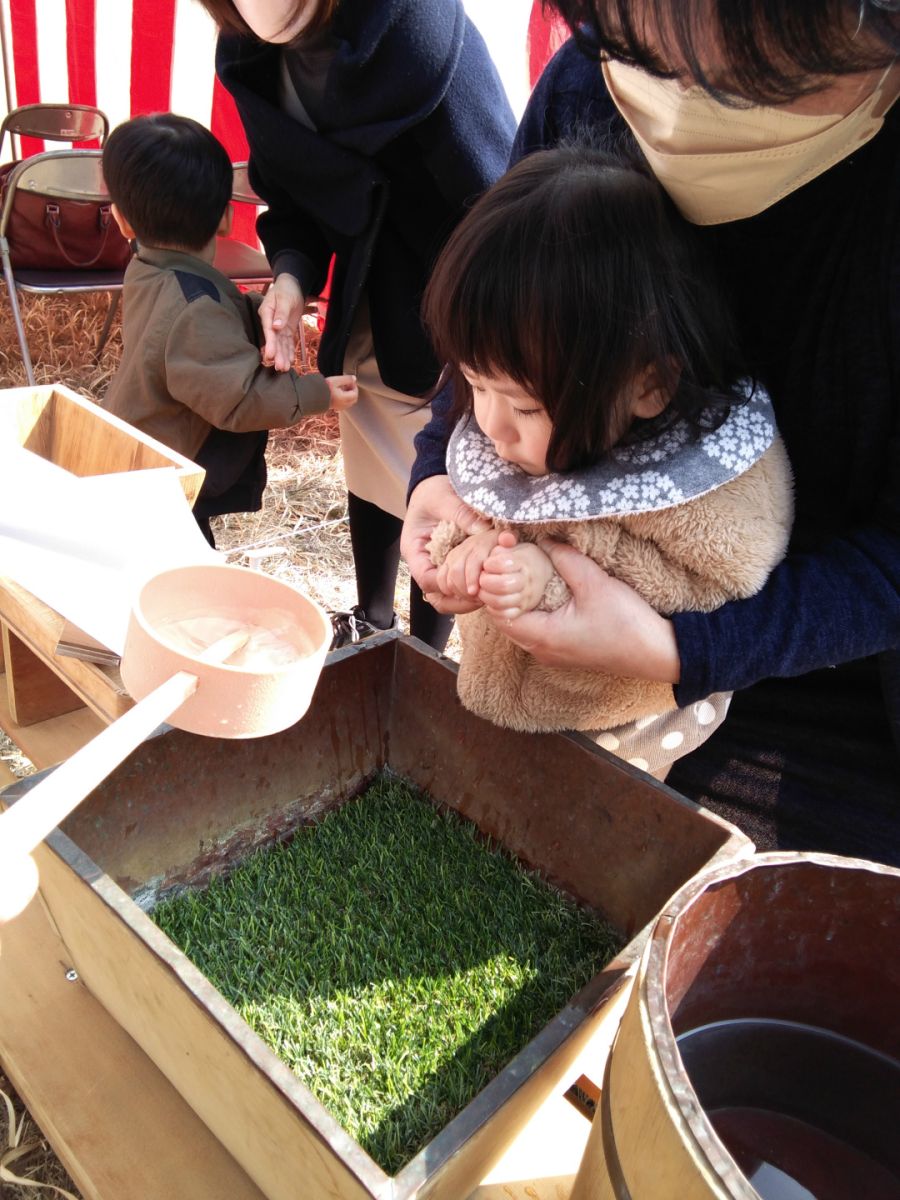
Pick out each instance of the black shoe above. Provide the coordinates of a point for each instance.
(353, 626)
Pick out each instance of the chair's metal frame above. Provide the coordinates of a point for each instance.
(64, 174)
(56, 123)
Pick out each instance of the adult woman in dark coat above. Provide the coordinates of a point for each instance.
(371, 128)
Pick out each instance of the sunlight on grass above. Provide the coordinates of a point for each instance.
(392, 959)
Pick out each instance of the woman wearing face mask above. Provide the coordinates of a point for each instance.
(776, 132)
(371, 128)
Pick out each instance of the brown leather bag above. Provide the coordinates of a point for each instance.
(48, 233)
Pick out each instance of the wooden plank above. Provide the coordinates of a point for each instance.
(34, 692)
(250, 1101)
(78, 435)
(49, 742)
(500, 1153)
(116, 1123)
(39, 627)
(542, 1160)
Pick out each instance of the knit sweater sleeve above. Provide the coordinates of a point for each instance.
(817, 610)
(838, 601)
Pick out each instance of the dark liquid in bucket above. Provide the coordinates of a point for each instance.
(806, 1114)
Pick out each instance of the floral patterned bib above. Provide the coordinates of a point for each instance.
(645, 476)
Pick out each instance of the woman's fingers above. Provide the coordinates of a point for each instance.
(280, 313)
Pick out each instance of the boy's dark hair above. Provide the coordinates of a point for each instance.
(229, 20)
(763, 52)
(170, 178)
(572, 275)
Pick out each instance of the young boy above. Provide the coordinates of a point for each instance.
(191, 374)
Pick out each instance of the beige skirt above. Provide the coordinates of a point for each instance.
(377, 432)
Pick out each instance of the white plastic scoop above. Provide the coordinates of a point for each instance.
(192, 688)
(38, 813)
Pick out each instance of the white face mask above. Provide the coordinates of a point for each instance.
(723, 164)
(267, 19)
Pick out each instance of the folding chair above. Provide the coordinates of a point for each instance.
(61, 174)
(56, 123)
(241, 263)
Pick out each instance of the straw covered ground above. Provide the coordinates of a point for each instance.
(300, 536)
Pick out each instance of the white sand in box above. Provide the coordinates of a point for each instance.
(276, 640)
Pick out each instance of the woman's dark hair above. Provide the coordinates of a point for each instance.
(170, 178)
(229, 20)
(764, 51)
(572, 275)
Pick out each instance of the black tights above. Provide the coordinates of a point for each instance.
(375, 538)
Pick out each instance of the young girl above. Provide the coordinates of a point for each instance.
(598, 401)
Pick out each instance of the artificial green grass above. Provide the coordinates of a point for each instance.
(391, 958)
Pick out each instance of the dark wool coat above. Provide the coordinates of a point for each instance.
(418, 126)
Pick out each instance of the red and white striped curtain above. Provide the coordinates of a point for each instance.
(137, 56)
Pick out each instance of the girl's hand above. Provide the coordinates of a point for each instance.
(514, 579)
(280, 313)
(433, 501)
(343, 389)
(605, 626)
(459, 573)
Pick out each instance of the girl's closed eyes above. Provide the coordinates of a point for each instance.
(519, 427)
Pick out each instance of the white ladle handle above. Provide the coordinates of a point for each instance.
(39, 811)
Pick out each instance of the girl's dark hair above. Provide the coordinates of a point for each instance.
(768, 51)
(572, 275)
(170, 178)
(229, 20)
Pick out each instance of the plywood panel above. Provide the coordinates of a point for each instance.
(34, 692)
(600, 829)
(39, 627)
(78, 435)
(119, 1127)
(49, 742)
(515, 1149)
(249, 1100)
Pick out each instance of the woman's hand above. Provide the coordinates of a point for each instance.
(605, 626)
(280, 313)
(434, 500)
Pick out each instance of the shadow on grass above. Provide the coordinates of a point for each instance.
(394, 961)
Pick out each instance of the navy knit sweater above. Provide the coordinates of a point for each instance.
(815, 281)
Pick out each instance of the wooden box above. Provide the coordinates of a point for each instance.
(74, 433)
(50, 705)
(182, 805)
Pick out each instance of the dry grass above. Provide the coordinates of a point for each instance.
(39, 1168)
(300, 535)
